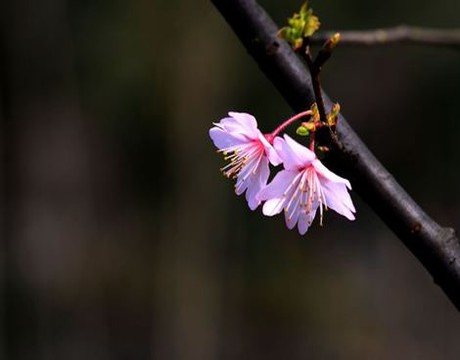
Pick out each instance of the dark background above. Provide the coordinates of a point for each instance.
(120, 239)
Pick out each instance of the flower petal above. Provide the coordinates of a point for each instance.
(272, 207)
(270, 151)
(273, 192)
(256, 183)
(243, 123)
(223, 139)
(292, 218)
(303, 225)
(294, 155)
(338, 198)
(328, 174)
(305, 220)
(278, 185)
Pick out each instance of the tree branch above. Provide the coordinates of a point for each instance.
(436, 247)
(401, 34)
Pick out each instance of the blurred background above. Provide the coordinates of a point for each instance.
(120, 239)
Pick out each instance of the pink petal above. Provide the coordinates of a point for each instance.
(338, 199)
(273, 192)
(306, 220)
(303, 225)
(256, 183)
(294, 155)
(270, 151)
(273, 206)
(328, 174)
(246, 123)
(223, 139)
(278, 185)
(241, 186)
(291, 219)
(231, 126)
(252, 187)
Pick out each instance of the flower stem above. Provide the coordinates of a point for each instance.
(312, 141)
(316, 83)
(288, 122)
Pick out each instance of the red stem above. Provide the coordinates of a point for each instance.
(312, 141)
(288, 122)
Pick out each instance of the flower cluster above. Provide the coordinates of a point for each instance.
(300, 189)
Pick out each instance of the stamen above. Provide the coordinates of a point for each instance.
(295, 201)
(240, 157)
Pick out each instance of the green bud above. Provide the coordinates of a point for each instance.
(301, 25)
(332, 42)
(335, 109)
(302, 131)
(332, 117)
(314, 113)
(304, 8)
(312, 24)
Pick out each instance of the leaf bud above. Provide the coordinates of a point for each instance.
(302, 131)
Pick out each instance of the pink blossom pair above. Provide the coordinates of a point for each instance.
(300, 189)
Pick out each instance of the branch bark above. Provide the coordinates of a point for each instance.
(401, 34)
(436, 247)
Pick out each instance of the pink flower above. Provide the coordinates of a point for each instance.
(303, 186)
(249, 152)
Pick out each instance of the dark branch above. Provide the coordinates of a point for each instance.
(395, 35)
(436, 247)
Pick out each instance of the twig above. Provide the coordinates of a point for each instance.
(436, 247)
(316, 82)
(401, 34)
(316, 85)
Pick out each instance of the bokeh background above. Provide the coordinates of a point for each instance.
(120, 239)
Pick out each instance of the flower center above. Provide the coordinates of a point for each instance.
(306, 195)
(243, 157)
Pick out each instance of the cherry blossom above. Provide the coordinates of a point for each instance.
(304, 186)
(248, 152)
